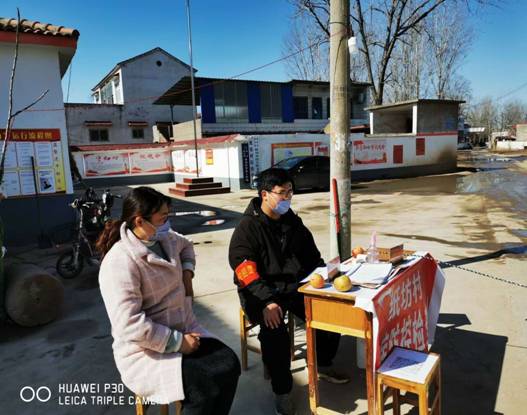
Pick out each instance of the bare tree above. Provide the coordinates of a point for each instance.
(407, 69)
(484, 114)
(308, 46)
(387, 33)
(512, 113)
(10, 115)
(449, 36)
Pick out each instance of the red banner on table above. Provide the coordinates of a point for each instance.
(402, 309)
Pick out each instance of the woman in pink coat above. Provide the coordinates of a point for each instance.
(160, 350)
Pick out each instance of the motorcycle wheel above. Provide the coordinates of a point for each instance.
(66, 267)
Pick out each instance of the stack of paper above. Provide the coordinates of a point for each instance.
(408, 364)
(369, 275)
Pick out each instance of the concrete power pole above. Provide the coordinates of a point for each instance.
(340, 129)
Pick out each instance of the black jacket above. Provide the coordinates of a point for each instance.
(284, 252)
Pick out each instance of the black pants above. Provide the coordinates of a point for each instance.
(275, 343)
(210, 377)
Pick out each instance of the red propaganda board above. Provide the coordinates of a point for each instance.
(402, 309)
(369, 152)
(109, 164)
(36, 134)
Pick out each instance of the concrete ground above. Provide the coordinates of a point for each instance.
(474, 218)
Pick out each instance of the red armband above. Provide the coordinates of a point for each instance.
(246, 273)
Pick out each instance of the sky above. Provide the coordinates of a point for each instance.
(234, 36)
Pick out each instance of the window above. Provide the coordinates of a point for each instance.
(328, 107)
(301, 111)
(308, 165)
(230, 101)
(138, 133)
(107, 94)
(97, 134)
(323, 164)
(316, 108)
(271, 99)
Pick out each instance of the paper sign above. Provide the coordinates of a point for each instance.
(24, 152)
(46, 181)
(11, 184)
(27, 183)
(10, 157)
(44, 154)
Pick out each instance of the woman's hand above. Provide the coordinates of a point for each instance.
(187, 282)
(190, 343)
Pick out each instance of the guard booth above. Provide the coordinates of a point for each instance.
(408, 138)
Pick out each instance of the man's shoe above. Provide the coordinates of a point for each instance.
(330, 375)
(284, 405)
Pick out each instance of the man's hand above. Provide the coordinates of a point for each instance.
(272, 315)
(190, 343)
(187, 282)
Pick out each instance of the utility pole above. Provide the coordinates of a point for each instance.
(194, 114)
(340, 242)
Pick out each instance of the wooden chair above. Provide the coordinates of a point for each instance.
(430, 376)
(141, 408)
(246, 326)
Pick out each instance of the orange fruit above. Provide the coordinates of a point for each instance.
(317, 281)
(358, 250)
(342, 283)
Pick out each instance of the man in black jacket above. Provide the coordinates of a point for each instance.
(271, 251)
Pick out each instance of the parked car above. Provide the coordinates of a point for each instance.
(464, 146)
(307, 172)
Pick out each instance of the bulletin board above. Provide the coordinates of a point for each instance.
(25, 146)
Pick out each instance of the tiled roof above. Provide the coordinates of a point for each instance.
(37, 28)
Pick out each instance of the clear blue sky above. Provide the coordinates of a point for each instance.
(232, 36)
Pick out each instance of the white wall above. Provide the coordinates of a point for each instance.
(511, 145)
(37, 70)
(438, 149)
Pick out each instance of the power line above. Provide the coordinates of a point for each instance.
(234, 77)
(513, 91)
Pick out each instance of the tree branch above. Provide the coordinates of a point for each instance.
(10, 104)
(30, 105)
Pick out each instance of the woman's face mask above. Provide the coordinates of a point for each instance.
(160, 231)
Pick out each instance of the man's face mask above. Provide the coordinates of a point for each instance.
(283, 205)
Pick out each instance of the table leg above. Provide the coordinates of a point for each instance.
(311, 359)
(370, 371)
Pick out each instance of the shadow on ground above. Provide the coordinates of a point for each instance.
(471, 365)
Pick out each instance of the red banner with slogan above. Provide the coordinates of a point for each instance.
(37, 134)
(402, 309)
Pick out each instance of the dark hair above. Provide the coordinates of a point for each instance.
(142, 201)
(272, 177)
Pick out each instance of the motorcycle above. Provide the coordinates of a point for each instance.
(93, 213)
